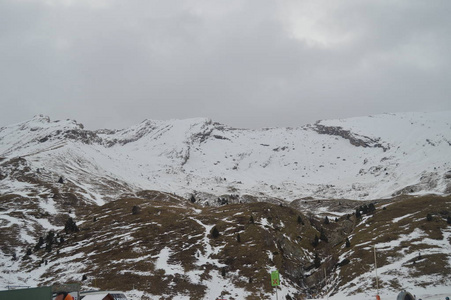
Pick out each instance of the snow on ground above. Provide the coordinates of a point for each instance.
(437, 294)
(162, 263)
(179, 156)
(396, 270)
(16, 187)
(396, 220)
(204, 258)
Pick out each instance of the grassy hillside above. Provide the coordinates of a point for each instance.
(412, 237)
(120, 248)
(165, 245)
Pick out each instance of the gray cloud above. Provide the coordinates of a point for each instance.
(243, 63)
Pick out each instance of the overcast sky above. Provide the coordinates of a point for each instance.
(249, 64)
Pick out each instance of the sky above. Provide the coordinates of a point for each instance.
(243, 63)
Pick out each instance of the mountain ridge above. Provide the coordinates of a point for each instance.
(359, 158)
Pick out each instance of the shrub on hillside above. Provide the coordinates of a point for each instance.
(70, 226)
(27, 254)
(315, 241)
(50, 239)
(39, 244)
(344, 262)
(215, 232)
(300, 220)
(317, 260)
(135, 210)
(323, 236)
(357, 213)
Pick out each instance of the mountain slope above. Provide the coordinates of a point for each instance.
(359, 158)
(53, 171)
(160, 245)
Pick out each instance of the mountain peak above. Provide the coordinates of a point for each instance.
(41, 118)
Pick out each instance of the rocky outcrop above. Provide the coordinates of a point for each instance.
(355, 139)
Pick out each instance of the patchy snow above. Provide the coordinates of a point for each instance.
(396, 270)
(396, 220)
(205, 257)
(48, 205)
(408, 151)
(162, 263)
(264, 222)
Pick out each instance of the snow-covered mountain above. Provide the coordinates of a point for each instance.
(359, 158)
(129, 192)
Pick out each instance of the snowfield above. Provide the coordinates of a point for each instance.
(359, 158)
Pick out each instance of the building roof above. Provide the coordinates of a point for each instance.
(93, 297)
(99, 295)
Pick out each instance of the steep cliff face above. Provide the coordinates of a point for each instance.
(354, 139)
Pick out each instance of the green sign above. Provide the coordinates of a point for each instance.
(275, 280)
